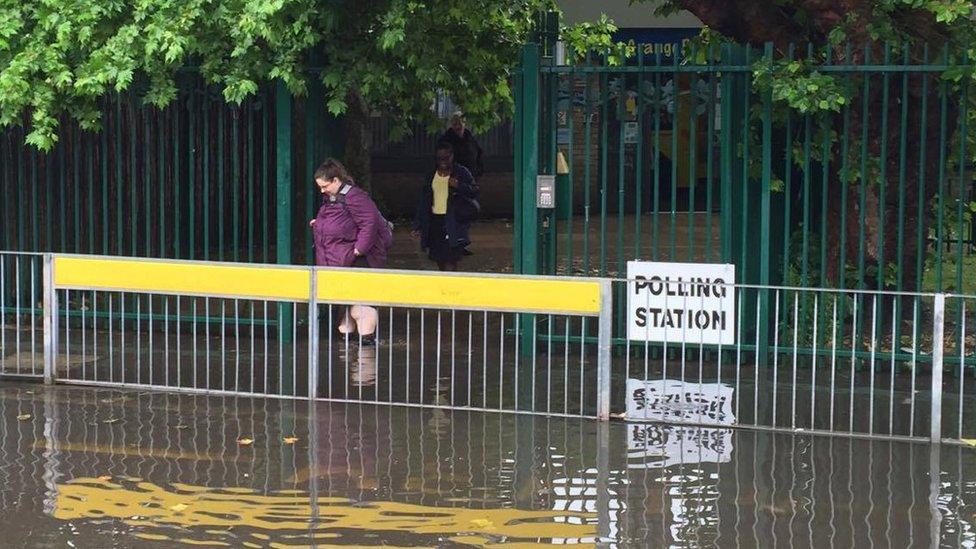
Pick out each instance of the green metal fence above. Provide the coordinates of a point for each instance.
(689, 158)
(200, 179)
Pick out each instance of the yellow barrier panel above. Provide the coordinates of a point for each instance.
(181, 278)
(454, 291)
(480, 293)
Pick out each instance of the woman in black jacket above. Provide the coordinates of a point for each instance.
(447, 203)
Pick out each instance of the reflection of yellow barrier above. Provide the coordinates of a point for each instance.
(154, 511)
(395, 288)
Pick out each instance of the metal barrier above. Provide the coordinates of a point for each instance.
(21, 315)
(959, 351)
(858, 363)
(455, 341)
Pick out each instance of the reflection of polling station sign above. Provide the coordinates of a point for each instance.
(655, 446)
(675, 302)
(676, 401)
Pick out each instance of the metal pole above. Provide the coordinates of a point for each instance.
(283, 216)
(938, 333)
(313, 334)
(50, 319)
(604, 360)
(527, 222)
(283, 198)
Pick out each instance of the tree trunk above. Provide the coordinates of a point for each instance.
(883, 242)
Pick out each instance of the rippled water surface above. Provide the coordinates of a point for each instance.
(99, 468)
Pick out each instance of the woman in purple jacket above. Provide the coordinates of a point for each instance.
(349, 231)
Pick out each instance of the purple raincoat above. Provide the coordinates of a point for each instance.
(347, 222)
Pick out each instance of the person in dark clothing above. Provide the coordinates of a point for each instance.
(467, 152)
(447, 191)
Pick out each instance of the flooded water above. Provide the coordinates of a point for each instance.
(84, 467)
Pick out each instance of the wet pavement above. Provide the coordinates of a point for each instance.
(82, 467)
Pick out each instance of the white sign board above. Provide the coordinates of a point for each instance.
(673, 401)
(692, 303)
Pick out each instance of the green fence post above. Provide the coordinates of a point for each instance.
(730, 127)
(765, 226)
(527, 163)
(526, 214)
(283, 201)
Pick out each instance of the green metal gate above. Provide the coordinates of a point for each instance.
(682, 156)
(677, 158)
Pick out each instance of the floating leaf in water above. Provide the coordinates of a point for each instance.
(245, 441)
(969, 441)
(181, 426)
(290, 440)
(111, 420)
(179, 507)
(24, 417)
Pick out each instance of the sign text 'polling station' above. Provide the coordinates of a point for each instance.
(675, 302)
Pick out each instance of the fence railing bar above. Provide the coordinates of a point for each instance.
(938, 343)
(806, 289)
(604, 359)
(962, 364)
(313, 336)
(755, 396)
(775, 387)
(738, 358)
(891, 380)
(874, 346)
(50, 321)
(796, 344)
(813, 374)
(854, 325)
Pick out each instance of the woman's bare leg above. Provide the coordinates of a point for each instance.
(346, 326)
(366, 319)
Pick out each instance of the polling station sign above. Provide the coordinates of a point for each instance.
(681, 302)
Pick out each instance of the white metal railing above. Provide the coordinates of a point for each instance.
(270, 330)
(849, 362)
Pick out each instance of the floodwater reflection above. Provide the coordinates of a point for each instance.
(91, 467)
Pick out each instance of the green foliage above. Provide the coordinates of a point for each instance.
(59, 58)
(595, 37)
(798, 85)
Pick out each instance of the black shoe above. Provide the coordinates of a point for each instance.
(368, 341)
(465, 251)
